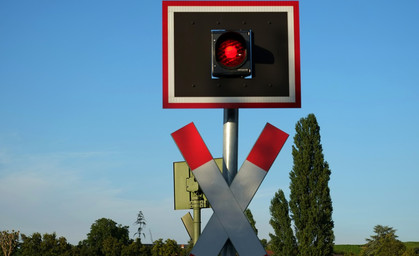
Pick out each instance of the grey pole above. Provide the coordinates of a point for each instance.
(230, 153)
(196, 217)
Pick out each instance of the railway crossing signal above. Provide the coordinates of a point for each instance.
(230, 55)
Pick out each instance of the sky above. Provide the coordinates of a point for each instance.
(83, 134)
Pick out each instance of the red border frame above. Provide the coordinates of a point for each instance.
(296, 104)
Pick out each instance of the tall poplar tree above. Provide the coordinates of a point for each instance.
(310, 202)
(283, 241)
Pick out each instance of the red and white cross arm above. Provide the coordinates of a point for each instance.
(229, 203)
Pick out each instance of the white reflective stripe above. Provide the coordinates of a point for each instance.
(228, 211)
(246, 183)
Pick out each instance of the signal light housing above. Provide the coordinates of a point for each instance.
(231, 53)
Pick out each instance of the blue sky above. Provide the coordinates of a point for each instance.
(83, 134)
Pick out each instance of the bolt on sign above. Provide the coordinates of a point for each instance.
(231, 54)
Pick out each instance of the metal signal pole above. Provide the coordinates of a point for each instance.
(230, 154)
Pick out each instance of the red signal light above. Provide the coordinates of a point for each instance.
(231, 50)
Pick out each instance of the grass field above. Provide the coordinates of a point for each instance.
(412, 244)
(348, 249)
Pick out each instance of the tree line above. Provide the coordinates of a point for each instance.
(106, 238)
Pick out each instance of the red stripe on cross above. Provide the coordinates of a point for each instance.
(267, 147)
(192, 146)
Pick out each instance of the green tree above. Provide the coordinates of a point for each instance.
(81, 249)
(283, 241)
(31, 245)
(167, 248)
(383, 243)
(9, 241)
(170, 248)
(310, 202)
(135, 248)
(157, 249)
(112, 246)
(45, 245)
(106, 237)
(53, 246)
(252, 221)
